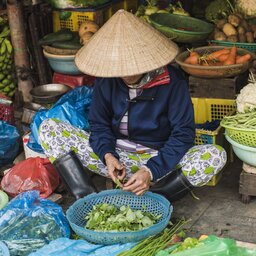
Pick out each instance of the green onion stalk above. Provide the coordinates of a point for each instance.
(153, 244)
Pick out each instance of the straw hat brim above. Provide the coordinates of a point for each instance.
(125, 46)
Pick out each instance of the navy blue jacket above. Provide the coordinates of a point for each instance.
(161, 118)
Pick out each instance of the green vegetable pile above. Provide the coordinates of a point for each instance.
(240, 120)
(218, 9)
(188, 243)
(7, 79)
(108, 217)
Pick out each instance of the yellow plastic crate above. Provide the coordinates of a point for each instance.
(209, 109)
(128, 5)
(77, 18)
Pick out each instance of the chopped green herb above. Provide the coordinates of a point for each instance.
(107, 217)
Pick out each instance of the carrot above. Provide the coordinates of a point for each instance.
(231, 59)
(243, 58)
(212, 63)
(192, 59)
(216, 54)
(223, 57)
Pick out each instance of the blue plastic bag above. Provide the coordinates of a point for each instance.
(73, 108)
(9, 143)
(68, 247)
(29, 218)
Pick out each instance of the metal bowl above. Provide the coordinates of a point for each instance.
(213, 71)
(48, 93)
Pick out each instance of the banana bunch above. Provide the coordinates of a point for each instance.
(7, 80)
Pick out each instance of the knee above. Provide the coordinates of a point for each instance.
(46, 127)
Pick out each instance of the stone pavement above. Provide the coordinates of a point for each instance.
(219, 209)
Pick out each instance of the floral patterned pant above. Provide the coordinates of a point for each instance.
(57, 138)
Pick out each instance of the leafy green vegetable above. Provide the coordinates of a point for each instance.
(188, 243)
(218, 9)
(107, 217)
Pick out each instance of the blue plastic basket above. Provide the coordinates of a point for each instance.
(149, 202)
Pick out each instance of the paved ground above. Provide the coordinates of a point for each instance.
(219, 209)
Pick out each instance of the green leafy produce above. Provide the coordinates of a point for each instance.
(240, 120)
(8, 81)
(188, 243)
(60, 4)
(154, 244)
(218, 9)
(107, 217)
(59, 36)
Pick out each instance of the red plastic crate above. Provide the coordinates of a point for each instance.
(7, 113)
(71, 80)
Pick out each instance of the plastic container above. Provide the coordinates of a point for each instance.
(248, 46)
(242, 136)
(72, 80)
(245, 153)
(7, 113)
(77, 17)
(180, 28)
(207, 109)
(64, 64)
(149, 202)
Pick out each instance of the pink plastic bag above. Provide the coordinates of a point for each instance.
(34, 173)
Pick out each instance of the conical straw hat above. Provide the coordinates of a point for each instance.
(125, 46)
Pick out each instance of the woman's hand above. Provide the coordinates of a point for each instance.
(139, 182)
(115, 169)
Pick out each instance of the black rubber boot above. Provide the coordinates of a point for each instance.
(73, 174)
(173, 187)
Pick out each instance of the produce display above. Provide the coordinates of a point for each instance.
(235, 29)
(66, 42)
(153, 244)
(240, 120)
(144, 11)
(7, 80)
(107, 217)
(63, 39)
(246, 99)
(76, 3)
(86, 30)
(225, 56)
(218, 9)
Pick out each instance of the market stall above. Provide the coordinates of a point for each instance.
(45, 211)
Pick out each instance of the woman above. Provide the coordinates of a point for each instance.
(141, 118)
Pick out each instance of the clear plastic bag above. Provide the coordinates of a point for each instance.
(28, 217)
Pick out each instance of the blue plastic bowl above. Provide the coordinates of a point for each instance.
(64, 64)
(245, 153)
(151, 202)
